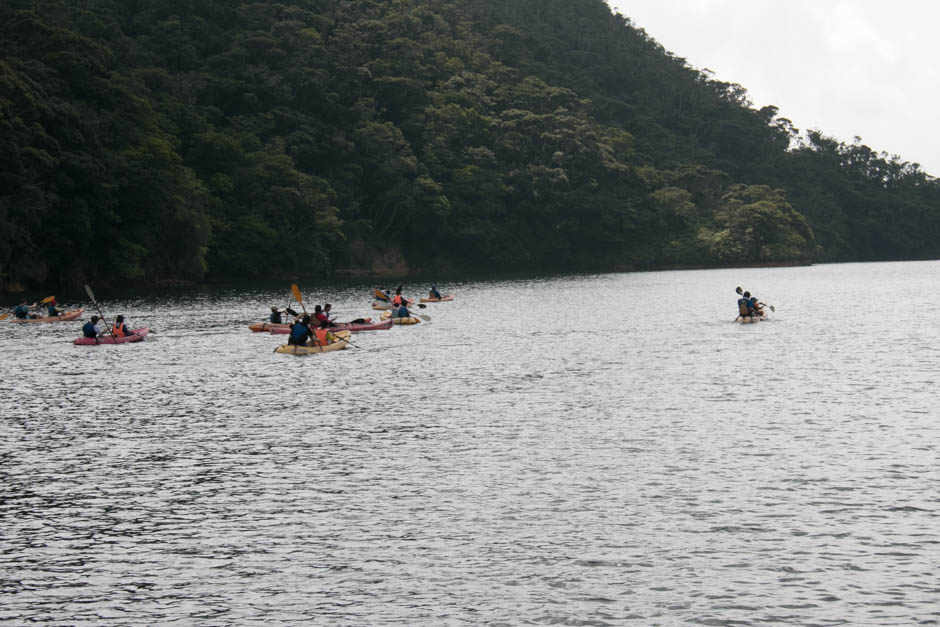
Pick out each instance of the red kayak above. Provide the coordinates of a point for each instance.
(354, 327)
(136, 335)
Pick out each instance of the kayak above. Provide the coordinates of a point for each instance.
(442, 299)
(137, 335)
(290, 349)
(68, 315)
(263, 327)
(354, 327)
(387, 315)
(748, 319)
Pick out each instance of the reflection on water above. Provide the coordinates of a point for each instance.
(580, 450)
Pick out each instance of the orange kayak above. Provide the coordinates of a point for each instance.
(68, 315)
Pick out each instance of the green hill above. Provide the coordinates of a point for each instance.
(175, 140)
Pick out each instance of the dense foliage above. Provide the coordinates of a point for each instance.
(159, 139)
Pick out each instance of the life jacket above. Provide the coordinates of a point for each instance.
(322, 336)
(321, 317)
(743, 307)
(89, 330)
(298, 332)
(52, 310)
(119, 330)
(275, 317)
(397, 299)
(21, 312)
(402, 312)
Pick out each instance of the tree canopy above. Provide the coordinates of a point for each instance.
(168, 140)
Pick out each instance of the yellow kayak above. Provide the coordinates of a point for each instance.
(336, 345)
(409, 320)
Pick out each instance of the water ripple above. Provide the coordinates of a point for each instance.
(623, 466)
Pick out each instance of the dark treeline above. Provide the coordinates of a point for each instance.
(179, 139)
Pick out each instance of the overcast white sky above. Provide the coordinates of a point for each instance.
(864, 67)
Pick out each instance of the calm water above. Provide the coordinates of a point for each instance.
(590, 450)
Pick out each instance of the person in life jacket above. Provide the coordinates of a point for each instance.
(754, 306)
(300, 332)
(744, 309)
(319, 316)
(52, 310)
(22, 310)
(119, 328)
(327, 310)
(91, 328)
(434, 293)
(401, 311)
(398, 299)
(323, 334)
(275, 317)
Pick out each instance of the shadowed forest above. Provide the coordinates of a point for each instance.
(158, 140)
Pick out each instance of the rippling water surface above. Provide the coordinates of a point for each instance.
(589, 450)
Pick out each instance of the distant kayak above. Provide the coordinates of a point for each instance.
(442, 299)
(264, 327)
(387, 315)
(749, 319)
(137, 335)
(68, 315)
(338, 345)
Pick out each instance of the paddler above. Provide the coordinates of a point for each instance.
(434, 293)
(744, 309)
(275, 317)
(327, 310)
(22, 310)
(300, 331)
(320, 316)
(52, 311)
(91, 328)
(323, 334)
(401, 311)
(119, 328)
(754, 305)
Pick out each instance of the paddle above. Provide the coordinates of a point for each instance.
(91, 295)
(298, 296)
(4, 316)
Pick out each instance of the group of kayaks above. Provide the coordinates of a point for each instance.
(337, 336)
(338, 333)
(111, 337)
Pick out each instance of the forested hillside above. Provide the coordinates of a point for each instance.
(183, 139)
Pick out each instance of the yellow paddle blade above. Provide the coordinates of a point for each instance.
(4, 316)
(297, 294)
(46, 300)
